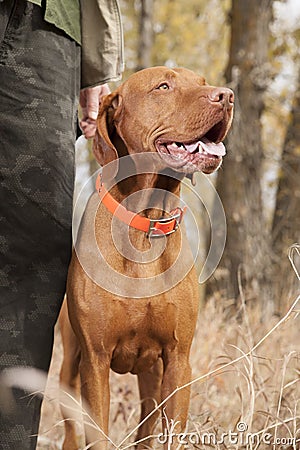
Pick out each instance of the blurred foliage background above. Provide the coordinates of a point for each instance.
(252, 46)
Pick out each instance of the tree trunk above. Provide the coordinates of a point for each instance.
(286, 229)
(247, 248)
(146, 35)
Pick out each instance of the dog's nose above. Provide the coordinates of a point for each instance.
(222, 95)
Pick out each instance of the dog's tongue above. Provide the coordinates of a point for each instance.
(212, 148)
(209, 147)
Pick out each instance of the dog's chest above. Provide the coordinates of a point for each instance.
(148, 329)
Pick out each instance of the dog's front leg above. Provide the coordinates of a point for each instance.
(150, 395)
(94, 373)
(177, 372)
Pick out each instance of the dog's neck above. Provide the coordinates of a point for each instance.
(151, 195)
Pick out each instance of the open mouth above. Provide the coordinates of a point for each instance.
(203, 154)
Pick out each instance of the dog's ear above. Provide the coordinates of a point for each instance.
(103, 148)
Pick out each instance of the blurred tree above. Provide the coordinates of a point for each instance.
(130, 14)
(286, 225)
(146, 35)
(248, 249)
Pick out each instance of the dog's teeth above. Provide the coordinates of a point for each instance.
(174, 146)
(192, 147)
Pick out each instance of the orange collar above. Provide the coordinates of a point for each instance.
(153, 227)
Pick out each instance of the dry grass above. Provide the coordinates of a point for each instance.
(258, 388)
(261, 389)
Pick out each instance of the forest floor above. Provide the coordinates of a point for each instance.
(250, 400)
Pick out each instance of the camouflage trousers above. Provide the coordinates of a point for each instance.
(39, 86)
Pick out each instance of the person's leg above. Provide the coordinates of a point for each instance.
(39, 84)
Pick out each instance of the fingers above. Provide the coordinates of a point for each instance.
(90, 100)
(88, 127)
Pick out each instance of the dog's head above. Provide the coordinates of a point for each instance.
(172, 112)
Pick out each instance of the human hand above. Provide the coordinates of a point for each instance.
(90, 99)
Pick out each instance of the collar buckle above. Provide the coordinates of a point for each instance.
(166, 225)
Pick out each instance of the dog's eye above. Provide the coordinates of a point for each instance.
(163, 87)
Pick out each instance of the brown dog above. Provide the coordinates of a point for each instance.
(133, 298)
